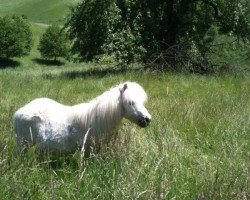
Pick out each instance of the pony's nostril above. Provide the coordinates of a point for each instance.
(147, 120)
(144, 122)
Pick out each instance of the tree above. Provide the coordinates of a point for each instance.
(89, 25)
(15, 37)
(135, 29)
(54, 43)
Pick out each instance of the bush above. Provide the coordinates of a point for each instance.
(54, 43)
(15, 37)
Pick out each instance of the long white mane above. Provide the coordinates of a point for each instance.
(62, 128)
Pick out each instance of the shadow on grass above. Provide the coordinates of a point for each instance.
(93, 72)
(48, 62)
(8, 63)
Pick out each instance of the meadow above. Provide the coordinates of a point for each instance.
(197, 146)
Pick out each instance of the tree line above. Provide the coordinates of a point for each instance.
(164, 33)
(16, 39)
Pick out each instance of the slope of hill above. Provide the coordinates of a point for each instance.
(42, 11)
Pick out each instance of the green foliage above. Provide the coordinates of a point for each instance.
(124, 46)
(15, 37)
(143, 30)
(234, 18)
(230, 54)
(54, 43)
(89, 25)
(207, 42)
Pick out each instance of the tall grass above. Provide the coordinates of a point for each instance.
(197, 146)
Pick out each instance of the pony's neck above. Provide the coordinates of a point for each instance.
(102, 114)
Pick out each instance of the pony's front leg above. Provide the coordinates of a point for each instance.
(91, 149)
(22, 146)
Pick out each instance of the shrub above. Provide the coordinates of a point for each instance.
(15, 37)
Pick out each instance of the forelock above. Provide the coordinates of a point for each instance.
(134, 92)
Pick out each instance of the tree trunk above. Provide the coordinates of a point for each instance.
(175, 18)
(171, 24)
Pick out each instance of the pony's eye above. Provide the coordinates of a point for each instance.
(131, 103)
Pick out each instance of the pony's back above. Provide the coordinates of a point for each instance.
(34, 122)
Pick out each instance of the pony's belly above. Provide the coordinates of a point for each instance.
(60, 138)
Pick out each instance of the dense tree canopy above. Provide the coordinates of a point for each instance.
(15, 37)
(134, 30)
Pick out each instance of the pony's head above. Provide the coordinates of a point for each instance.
(133, 98)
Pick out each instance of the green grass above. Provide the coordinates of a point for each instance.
(41, 11)
(197, 146)
(31, 60)
(231, 53)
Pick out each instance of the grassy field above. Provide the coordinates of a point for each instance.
(197, 146)
(39, 11)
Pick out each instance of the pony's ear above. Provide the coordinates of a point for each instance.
(125, 86)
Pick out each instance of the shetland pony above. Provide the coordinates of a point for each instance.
(60, 128)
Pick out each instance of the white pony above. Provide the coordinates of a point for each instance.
(59, 128)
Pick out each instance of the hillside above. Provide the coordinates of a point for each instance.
(42, 11)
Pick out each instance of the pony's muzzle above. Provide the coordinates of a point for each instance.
(145, 121)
